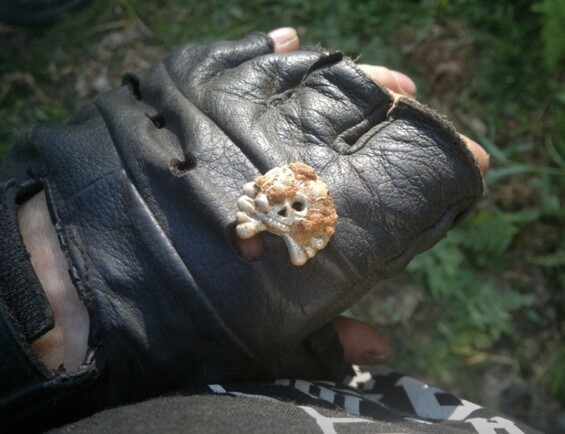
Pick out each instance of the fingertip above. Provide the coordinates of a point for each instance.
(405, 83)
(394, 80)
(252, 248)
(362, 344)
(481, 156)
(285, 39)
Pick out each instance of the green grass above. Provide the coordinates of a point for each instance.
(491, 295)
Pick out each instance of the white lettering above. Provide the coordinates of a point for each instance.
(423, 399)
(327, 423)
(494, 425)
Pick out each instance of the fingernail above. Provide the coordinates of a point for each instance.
(405, 83)
(283, 37)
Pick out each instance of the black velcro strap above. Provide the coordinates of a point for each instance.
(20, 290)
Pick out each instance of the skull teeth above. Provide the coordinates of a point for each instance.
(269, 221)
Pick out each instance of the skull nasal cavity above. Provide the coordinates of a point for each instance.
(282, 212)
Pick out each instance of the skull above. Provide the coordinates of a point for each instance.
(293, 202)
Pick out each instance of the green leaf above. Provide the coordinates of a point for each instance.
(553, 260)
(553, 31)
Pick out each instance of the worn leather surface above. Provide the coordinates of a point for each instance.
(143, 183)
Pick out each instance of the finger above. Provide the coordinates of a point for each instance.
(362, 344)
(394, 80)
(285, 39)
(478, 152)
(251, 248)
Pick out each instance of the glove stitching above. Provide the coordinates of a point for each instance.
(65, 235)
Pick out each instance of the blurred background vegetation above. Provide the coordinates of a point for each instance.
(481, 314)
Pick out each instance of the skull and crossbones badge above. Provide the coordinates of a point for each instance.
(293, 202)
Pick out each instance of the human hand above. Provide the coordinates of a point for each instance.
(143, 187)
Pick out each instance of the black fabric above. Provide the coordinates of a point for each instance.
(20, 289)
(18, 367)
(55, 399)
(366, 404)
(30, 396)
(24, 310)
(142, 186)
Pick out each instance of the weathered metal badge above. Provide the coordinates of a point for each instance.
(293, 202)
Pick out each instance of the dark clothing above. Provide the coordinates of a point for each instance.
(375, 401)
(27, 389)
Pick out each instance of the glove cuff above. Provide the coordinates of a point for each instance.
(31, 397)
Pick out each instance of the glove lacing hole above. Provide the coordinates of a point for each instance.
(132, 82)
(158, 120)
(179, 168)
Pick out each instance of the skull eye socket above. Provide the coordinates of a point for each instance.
(298, 206)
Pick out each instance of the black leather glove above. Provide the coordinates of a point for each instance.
(143, 185)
